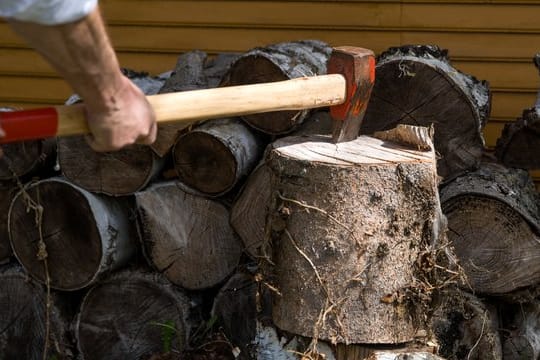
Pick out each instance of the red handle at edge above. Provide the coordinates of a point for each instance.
(29, 124)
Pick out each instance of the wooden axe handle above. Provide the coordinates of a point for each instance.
(187, 106)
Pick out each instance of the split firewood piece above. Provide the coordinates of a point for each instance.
(26, 158)
(194, 70)
(466, 327)
(132, 315)
(278, 62)
(349, 221)
(24, 318)
(64, 234)
(116, 173)
(7, 193)
(188, 238)
(250, 210)
(494, 226)
(216, 156)
(522, 340)
(417, 85)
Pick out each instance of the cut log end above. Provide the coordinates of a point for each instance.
(199, 158)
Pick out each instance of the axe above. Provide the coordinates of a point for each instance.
(345, 89)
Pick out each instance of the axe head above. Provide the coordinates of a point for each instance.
(357, 65)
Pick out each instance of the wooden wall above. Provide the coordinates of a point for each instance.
(491, 39)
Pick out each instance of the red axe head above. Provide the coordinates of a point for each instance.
(357, 65)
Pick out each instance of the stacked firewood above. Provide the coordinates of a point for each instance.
(256, 237)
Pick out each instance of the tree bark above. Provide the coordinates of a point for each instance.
(466, 327)
(346, 275)
(85, 236)
(132, 315)
(7, 193)
(278, 62)
(193, 70)
(519, 144)
(216, 156)
(494, 226)
(186, 237)
(24, 319)
(417, 85)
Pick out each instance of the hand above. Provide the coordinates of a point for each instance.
(126, 118)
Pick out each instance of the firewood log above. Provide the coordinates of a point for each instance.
(186, 237)
(76, 239)
(7, 192)
(519, 144)
(349, 221)
(277, 62)
(216, 156)
(494, 226)
(522, 340)
(24, 319)
(194, 70)
(132, 315)
(250, 210)
(417, 85)
(115, 173)
(466, 327)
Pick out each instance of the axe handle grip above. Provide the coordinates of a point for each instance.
(188, 106)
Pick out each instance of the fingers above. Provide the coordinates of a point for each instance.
(150, 138)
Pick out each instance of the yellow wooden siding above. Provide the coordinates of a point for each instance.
(491, 39)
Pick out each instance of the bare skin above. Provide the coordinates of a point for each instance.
(118, 113)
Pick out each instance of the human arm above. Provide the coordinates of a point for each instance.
(80, 51)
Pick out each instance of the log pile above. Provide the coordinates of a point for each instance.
(258, 238)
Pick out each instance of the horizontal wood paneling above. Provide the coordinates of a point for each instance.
(491, 39)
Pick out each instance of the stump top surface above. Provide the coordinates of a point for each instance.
(363, 150)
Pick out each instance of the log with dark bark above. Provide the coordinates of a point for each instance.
(117, 173)
(278, 62)
(522, 331)
(519, 144)
(417, 85)
(216, 156)
(494, 227)
(194, 70)
(7, 193)
(342, 274)
(132, 315)
(186, 237)
(24, 319)
(466, 327)
(73, 236)
(236, 309)
(250, 210)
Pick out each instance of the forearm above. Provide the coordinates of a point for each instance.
(81, 53)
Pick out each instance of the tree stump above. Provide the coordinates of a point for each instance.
(186, 237)
(80, 237)
(349, 221)
(132, 315)
(7, 193)
(194, 70)
(215, 156)
(466, 327)
(279, 62)
(250, 210)
(519, 144)
(23, 316)
(417, 85)
(494, 226)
